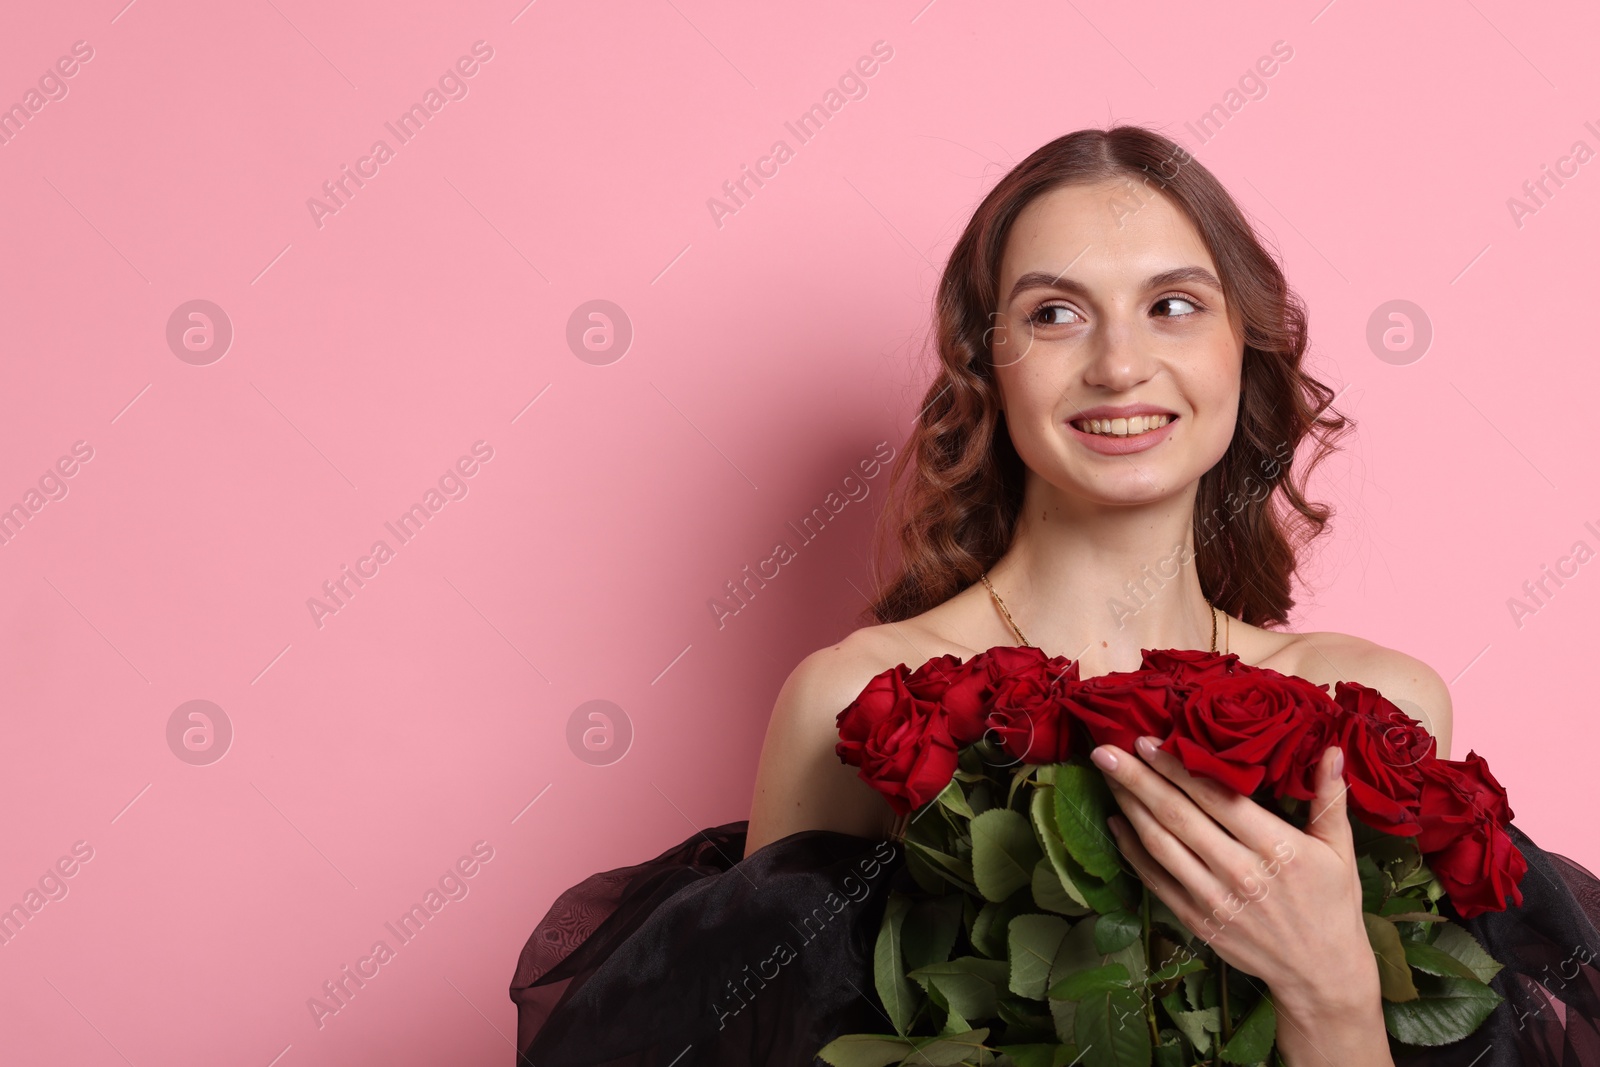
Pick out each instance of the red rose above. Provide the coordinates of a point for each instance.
(1231, 727)
(1456, 797)
(1025, 703)
(1191, 665)
(1479, 869)
(1407, 735)
(902, 745)
(960, 688)
(1123, 706)
(1383, 747)
(1292, 768)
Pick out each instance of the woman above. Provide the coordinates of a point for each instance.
(1102, 465)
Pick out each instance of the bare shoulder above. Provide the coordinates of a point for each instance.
(1407, 681)
(835, 675)
(800, 782)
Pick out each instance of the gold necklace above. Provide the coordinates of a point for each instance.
(1001, 604)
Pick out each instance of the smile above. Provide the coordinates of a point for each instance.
(1129, 427)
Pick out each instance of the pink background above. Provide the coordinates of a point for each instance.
(769, 355)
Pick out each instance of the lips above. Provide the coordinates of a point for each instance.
(1119, 431)
(1122, 426)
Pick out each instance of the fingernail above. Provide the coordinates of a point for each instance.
(1146, 746)
(1104, 758)
(1338, 762)
(1116, 824)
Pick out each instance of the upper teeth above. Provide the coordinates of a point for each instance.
(1123, 427)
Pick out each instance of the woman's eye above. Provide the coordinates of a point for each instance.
(1186, 306)
(1044, 316)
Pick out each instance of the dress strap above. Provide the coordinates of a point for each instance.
(897, 831)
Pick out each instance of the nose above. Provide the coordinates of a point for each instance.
(1119, 357)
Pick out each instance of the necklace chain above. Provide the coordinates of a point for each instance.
(1001, 604)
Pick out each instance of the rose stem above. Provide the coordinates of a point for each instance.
(1222, 975)
(1150, 993)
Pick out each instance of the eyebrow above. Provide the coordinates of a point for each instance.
(1042, 279)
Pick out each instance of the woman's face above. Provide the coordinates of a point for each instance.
(1116, 358)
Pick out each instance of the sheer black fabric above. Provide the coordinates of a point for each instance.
(1550, 946)
(698, 959)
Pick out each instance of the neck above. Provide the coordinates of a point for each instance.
(1098, 583)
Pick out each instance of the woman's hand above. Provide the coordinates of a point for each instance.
(1273, 901)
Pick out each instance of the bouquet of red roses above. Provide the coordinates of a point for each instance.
(1030, 943)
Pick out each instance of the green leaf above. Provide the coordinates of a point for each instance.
(946, 866)
(1026, 1021)
(1430, 960)
(1446, 1010)
(1132, 957)
(931, 927)
(948, 1050)
(1253, 1039)
(1111, 1030)
(1003, 853)
(955, 799)
(888, 965)
(1032, 943)
(1043, 811)
(1064, 1014)
(1051, 894)
(1094, 980)
(1394, 972)
(865, 1050)
(929, 878)
(1375, 884)
(1460, 943)
(1104, 897)
(1175, 969)
(1173, 1054)
(1194, 991)
(968, 984)
(1031, 1055)
(1019, 776)
(1083, 803)
(1198, 1026)
(1116, 930)
(993, 923)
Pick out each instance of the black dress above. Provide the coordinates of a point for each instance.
(697, 958)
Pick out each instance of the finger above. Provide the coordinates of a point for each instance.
(1198, 880)
(1248, 822)
(1177, 815)
(1155, 877)
(1329, 822)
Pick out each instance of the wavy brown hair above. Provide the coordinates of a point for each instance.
(956, 487)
